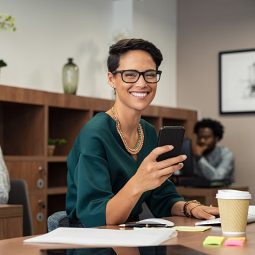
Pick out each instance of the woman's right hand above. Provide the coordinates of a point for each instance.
(151, 173)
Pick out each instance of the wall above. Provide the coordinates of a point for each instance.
(159, 19)
(48, 32)
(206, 27)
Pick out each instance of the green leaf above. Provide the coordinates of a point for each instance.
(7, 23)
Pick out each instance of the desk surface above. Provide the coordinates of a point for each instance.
(190, 239)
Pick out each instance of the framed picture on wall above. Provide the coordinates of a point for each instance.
(237, 81)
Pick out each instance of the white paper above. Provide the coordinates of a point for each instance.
(216, 221)
(106, 237)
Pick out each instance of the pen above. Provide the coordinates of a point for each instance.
(143, 225)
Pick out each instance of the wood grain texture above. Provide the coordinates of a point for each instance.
(29, 117)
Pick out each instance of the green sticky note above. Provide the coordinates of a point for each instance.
(213, 240)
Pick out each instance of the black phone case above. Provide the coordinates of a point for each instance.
(171, 135)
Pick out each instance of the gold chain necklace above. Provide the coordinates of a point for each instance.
(139, 144)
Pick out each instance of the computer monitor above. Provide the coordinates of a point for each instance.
(187, 169)
(186, 176)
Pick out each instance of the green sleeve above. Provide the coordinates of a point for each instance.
(162, 199)
(94, 190)
(91, 182)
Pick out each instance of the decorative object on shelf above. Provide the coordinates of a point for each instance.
(70, 77)
(52, 143)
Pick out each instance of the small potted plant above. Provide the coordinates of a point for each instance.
(7, 23)
(52, 143)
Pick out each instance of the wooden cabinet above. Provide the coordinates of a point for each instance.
(29, 117)
(11, 221)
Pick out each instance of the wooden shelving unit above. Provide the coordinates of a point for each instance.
(29, 117)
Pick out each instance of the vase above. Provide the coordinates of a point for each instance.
(51, 149)
(70, 77)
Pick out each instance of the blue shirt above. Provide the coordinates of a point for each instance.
(218, 165)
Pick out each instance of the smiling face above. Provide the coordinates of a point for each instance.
(136, 95)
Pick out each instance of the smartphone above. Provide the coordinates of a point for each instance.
(171, 135)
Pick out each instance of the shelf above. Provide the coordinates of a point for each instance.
(65, 123)
(155, 121)
(22, 122)
(56, 202)
(57, 191)
(28, 118)
(55, 170)
(57, 159)
(23, 158)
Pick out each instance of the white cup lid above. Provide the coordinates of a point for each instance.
(233, 194)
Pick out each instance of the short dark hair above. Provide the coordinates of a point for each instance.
(214, 125)
(124, 45)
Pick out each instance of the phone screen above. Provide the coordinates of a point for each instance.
(171, 135)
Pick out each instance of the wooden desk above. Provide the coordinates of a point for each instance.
(205, 195)
(193, 240)
(11, 221)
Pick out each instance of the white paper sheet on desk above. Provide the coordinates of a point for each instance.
(106, 237)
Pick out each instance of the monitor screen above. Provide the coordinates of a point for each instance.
(187, 169)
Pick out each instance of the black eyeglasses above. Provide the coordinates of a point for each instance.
(132, 76)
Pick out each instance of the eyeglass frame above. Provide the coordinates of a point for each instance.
(158, 72)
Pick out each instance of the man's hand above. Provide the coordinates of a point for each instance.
(198, 150)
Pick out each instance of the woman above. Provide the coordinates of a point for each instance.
(112, 167)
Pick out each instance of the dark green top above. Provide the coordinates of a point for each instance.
(99, 166)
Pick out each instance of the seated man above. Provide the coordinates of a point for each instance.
(212, 162)
(4, 181)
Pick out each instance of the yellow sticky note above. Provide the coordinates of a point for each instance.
(213, 240)
(191, 228)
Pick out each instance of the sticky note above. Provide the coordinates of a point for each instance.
(213, 240)
(191, 228)
(234, 241)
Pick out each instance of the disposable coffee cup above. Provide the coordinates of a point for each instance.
(233, 207)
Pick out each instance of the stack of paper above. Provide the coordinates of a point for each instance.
(106, 237)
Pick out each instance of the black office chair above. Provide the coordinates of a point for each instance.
(19, 195)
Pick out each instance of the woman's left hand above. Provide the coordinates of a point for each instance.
(203, 212)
